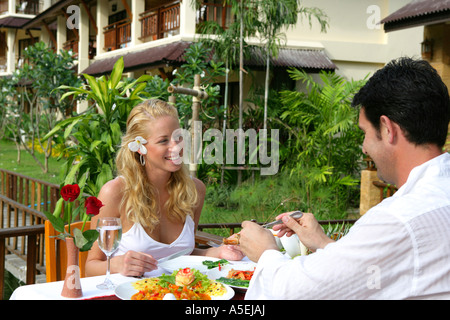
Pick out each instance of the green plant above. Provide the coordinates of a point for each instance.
(325, 137)
(33, 100)
(92, 137)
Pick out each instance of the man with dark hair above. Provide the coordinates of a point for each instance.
(400, 249)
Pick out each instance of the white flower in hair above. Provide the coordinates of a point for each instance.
(138, 144)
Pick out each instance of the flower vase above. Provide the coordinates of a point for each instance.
(72, 283)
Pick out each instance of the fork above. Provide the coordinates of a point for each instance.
(295, 215)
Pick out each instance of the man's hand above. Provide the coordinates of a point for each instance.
(255, 240)
(307, 229)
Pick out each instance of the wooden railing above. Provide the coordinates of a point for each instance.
(3, 64)
(117, 34)
(158, 22)
(22, 201)
(204, 238)
(35, 193)
(29, 7)
(386, 190)
(3, 6)
(18, 222)
(71, 45)
(217, 12)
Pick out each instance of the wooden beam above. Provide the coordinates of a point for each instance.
(127, 7)
(50, 33)
(91, 18)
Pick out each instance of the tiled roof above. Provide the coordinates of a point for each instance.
(417, 13)
(174, 52)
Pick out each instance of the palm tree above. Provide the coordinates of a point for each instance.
(274, 15)
(229, 44)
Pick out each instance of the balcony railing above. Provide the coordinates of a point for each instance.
(160, 22)
(3, 64)
(33, 7)
(215, 12)
(3, 6)
(30, 7)
(117, 35)
(71, 45)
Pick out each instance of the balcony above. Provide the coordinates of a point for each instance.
(217, 12)
(29, 7)
(3, 64)
(32, 7)
(117, 35)
(161, 22)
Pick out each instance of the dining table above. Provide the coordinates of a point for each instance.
(52, 290)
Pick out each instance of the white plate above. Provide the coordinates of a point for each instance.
(193, 262)
(125, 291)
(223, 272)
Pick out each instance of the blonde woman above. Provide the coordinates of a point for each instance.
(158, 203)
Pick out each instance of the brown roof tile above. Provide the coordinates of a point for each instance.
(418, 12)
(173, 53)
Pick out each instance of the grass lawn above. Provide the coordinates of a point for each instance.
(263, 200)
(27, 165)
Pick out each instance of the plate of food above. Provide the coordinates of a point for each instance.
(193, 262)
(182, 284)
(236, 275)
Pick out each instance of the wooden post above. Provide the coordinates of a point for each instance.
(197, 95)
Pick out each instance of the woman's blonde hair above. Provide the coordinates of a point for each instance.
(140, 197)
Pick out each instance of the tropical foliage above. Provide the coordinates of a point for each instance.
(92, 137)
(326, 140)
(31, 101)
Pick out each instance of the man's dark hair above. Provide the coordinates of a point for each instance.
(410, 93)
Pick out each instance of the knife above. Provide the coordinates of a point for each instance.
(295, 215)
(175, 255)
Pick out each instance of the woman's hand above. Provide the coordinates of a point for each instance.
(134, 264)
(230, 252)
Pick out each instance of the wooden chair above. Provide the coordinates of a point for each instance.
(56, 253)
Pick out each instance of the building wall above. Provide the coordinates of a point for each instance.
(355, 41)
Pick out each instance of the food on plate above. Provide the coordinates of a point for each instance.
(214, 264)
(241, 274)
(184, 277)
(232, 240)
(200, 288)
(238, 278)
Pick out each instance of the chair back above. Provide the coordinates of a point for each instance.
(56, 252)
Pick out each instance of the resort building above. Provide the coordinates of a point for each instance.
(152, 35)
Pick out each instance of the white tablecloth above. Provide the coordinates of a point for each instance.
(52, 290)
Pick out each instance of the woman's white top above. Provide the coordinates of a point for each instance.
(137, 239)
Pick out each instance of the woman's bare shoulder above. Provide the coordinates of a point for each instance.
(112, 191)
(200, 186)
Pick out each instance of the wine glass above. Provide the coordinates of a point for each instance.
(110, 234)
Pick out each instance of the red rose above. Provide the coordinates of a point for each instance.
(70, 192)
(93, 206)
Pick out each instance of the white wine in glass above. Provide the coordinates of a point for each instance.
(110, 234)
